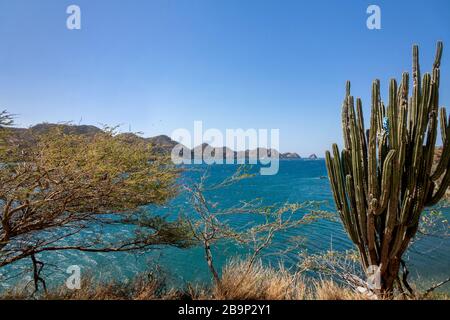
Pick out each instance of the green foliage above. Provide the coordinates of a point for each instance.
(64, 183)
(383, 178)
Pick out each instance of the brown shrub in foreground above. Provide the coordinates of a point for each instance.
(240, 281)
(148, 286)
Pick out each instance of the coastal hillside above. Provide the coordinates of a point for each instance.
(162, 143)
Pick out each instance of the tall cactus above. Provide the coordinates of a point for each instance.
(383, 178)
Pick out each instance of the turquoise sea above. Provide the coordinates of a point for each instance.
(296, 181)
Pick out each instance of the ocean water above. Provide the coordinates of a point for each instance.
(297, 181)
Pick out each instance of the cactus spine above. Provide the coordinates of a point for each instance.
(383, 178)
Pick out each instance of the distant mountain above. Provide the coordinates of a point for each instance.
(162, 143)
(27, 136)
(131, 137)
(43, 128)
(225, 152)
(290, 155)
(313, 157)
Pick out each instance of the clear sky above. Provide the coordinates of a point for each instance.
(159, 65)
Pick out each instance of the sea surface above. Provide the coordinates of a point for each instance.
(296, 182)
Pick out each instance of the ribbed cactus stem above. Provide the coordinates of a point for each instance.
(384, 177)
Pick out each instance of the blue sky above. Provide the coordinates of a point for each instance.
(159, 65)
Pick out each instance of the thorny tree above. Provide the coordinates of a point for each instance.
(211, 222)
(64, 184)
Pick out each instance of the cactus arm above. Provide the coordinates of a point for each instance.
(356, 225)
(420, 127)
(340, 183)
(433, 107)
(333, 183)
(416, 89)
(361, 136)
(373, 188)
(393, 115)
(438, 56)
(333, 175)
(358, 169)
(443, 121)
(337, 184)
(354, 217)
(442, 188)
(372, 154)
(386, 182)
(389, 227)
(345, 118)
(445, 157)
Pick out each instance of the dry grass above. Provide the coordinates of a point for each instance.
(329, 290)
(239, 281)
(144, 287)
(243, 282)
